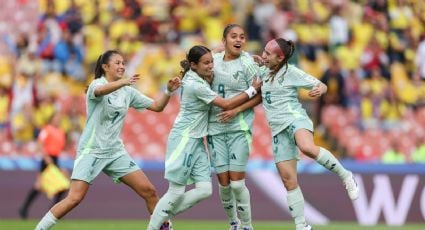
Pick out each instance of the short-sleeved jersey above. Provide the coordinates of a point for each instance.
(230, 79)
(105, 119)
(196, 96)
(280, 97)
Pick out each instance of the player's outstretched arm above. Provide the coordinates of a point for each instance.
(114, 85)
(318, 90)
(159, 104)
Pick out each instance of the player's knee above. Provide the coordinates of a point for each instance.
(303, 147)
(308, 149)
(204, 189)
(175, 192)
(74, 199)
(290, 183)
(237, 185)
(148, 192)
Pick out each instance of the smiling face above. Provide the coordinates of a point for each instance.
(234, 42)
(271, 56)
(114, 68)
(204, 67)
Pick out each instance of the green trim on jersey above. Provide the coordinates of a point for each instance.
(178, 151)
(242, 122)
(248, 137)
(87, 148)
(250, 65)
(296, 114)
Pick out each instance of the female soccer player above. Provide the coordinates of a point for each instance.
(108, 99)
(186, 158)
(229, 143)
(290, 125)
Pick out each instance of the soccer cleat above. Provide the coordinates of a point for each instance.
(351, 187)
(234, 225)
(304, 226)
(307, 227)
(166, 226)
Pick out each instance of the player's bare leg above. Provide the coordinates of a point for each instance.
(77, 192)
(141, 184)
(288, 173)
(305, 143)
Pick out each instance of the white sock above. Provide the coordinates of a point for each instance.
(243, 204)
(328, 160)
(296, 206)
(201, 191)
(228, 201)
(46, 222)
(165, 205)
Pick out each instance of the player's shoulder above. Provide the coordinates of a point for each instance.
(293, 69)
(192, 79)
(98, 81)
(245, 56)
(218, 56)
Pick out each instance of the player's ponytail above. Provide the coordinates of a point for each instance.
(186, 66)
(103, 59)
(194, 55)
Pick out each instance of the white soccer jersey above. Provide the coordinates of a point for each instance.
(196, 96)
(230, 79)
(105, 119)
(280, 97)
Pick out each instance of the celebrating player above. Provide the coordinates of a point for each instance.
(109, 97)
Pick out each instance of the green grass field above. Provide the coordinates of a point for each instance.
(187, 225)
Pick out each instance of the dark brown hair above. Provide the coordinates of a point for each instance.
(195, 53)
(288, 48)
(230, 27)
(103, 59)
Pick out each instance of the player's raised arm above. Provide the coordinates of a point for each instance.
(159, 104)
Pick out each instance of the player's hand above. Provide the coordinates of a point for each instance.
(258, 59)
(131, 80)
(257, 83)
(173, 84)
(315, 92)
(226, 116)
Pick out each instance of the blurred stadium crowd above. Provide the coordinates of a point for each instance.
(370, 53)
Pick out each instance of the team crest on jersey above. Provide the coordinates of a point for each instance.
(280, 79)
(237, 75)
